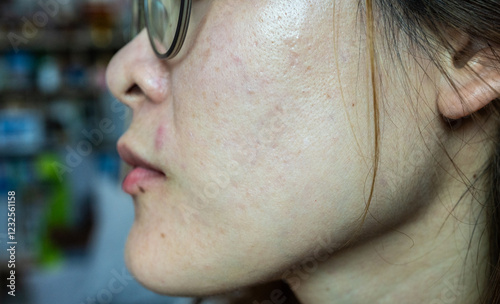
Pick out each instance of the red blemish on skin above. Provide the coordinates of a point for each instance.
(236, 59)
(160, 137)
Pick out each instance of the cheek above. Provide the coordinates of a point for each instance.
(255, 91)
(247, 54)
(265, 150)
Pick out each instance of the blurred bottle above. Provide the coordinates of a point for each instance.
(101, 20)
(21, 67)
(48, 75)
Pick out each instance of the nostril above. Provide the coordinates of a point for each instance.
(134, 90)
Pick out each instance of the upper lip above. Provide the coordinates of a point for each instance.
(131, 158)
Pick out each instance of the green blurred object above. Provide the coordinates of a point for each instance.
(57, 212)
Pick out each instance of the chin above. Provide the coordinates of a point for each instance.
(180, 285)
(170, 274)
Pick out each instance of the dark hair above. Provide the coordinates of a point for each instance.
(424, 26)
(492, 294)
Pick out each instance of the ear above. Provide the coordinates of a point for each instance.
(473, 79)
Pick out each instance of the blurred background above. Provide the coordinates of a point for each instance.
(58, 130)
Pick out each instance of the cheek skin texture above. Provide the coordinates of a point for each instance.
(257, 147)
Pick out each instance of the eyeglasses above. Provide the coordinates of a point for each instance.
(166, 22)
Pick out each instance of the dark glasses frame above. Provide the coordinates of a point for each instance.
(142, 18)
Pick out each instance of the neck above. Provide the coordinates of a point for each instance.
(438, 257)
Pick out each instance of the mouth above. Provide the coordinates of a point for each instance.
(143, 175)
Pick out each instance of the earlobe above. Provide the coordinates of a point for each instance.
(475, 84)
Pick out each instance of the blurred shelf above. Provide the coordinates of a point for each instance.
(80, 40)
(29, 153)
(34, 95)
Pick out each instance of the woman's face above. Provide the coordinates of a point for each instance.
(263, 129)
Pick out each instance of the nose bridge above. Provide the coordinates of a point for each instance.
(135, 75)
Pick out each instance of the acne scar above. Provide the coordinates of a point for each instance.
(237, 59)
(160, 137)
(293, 59)
(163, 235)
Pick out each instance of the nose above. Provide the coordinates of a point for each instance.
(135, 75)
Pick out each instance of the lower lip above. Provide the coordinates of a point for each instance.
(138, 180)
